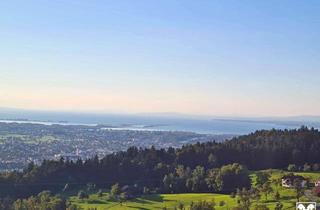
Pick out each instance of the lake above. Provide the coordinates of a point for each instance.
(140, 122)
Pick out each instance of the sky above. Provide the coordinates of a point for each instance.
(228, 58)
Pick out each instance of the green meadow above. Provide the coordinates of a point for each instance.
(170, 201)
(157, 201)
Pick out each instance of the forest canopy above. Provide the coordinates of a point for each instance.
(200, 167)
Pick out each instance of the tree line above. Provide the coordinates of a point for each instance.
(200, 167)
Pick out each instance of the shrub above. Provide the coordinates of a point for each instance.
(202, 205)
(222, 203)
(306, 167)
(292, 167)
(232, 195)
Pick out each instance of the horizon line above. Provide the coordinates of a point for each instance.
(163, 114)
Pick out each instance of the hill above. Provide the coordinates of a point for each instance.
(170, 201)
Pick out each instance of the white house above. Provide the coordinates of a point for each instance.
(288, 180)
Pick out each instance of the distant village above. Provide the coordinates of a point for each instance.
(22, 143)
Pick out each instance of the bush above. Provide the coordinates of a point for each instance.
(72, 207)
(222, 203)
(277, 196)
(292, 167)
(115, 190)
(202, 205)
(306, 167)
(232, 195)
(123, 197)
(181, 206)
(279, 206)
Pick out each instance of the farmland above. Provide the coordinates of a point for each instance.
(170, 201)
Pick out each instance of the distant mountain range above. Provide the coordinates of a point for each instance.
(19, 113)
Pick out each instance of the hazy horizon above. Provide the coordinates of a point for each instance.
(211, 58)
(178, 115)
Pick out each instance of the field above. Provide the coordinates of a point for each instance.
(151, 201)
(159, 201)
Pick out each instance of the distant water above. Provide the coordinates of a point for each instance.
(135, 122)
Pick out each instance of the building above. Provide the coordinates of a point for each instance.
(288, 180)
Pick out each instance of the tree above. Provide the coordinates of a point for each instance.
(228, 178)
(306, 167)
(202, 205)
(298, 188)
(44, 200)
(212, 160)
(222, 203)
(72, 207)
(277, 196)
(180, 206)
(196, 183)
(255, 194)
(259, 150)
(292, 167)
(266, 189)
(169, 182)
(115, 191)
(211, 180)
(6, 203)
(232, 195)
(82, 195)
(245, 197)
(123, 197)
(279, 206)
(262, 177)
(100, 193)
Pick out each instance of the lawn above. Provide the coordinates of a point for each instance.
(170, 201)
(157, 201)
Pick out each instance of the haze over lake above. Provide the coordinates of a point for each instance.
(203, 125)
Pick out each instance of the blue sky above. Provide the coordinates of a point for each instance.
(239, 58)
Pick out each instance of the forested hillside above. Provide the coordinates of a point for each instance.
(205, 167)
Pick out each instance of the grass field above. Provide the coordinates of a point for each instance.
(158, 201)
(152, 201)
